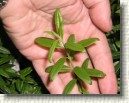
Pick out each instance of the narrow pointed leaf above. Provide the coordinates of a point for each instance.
(79, 88)
(64, 69)
(2, 82)
(95, 73)
(117, 68)
(85, 64)
(58, 19)
(84, 91)
(71, 38)
(51, 51)
(4, 66)
(30, 80)
(57, 67)
(5, 59)
(116, 55)
(12, 89)
(46, 42)
(60, 30)
(82, 74)
(4, 50)
(59, 15)
(11, 72)
(52, 33)
(70, 86)
(48, 69)
(25, 71)
(4, 73)
(19, 85)
(37, 90)
(88, 42)
(59, 22)
(74, 47)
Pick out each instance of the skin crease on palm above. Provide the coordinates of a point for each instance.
(25, 20)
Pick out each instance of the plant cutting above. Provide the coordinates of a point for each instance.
(82, 73)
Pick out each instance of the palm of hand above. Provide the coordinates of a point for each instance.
(32, 18)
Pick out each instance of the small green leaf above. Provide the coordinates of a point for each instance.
(69, 86)
(37, 90)
(95, 73)
(12, 89)
(4, 73)
(84, 91)
(116, 27)
(59, 22)
(85, 63)
(118, 43)
(52, 33)
(27, 88)
(4, 66)
(64, 69)
(57, 67)
(3, 88)
(2, 82)
(119, 85)
(25, 71)
(74, 47)
(116, 55)
(56, 19)
(30, 80)
(117, 68)
(11, 72)
(88, 42)
(46, 42)
(71, 38)
(48, 69)
(4, 50)
(5, 59)
(19, 85)
(82, 74)
(79, 87)
(118, 12)
(61, 31)
(59, 15)
(51, 51)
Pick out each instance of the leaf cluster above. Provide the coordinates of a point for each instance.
(12, 81)
(71, 47)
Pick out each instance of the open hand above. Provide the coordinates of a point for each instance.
(25, 20)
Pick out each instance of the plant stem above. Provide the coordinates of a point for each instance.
(69, 57)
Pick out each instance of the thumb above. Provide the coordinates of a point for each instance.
(100, 13)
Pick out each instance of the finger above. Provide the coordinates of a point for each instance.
(56, 86)
(101, 57)
(92, 89)
(67, 77)
(100, 13)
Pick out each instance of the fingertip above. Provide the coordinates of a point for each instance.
(102, 22)
(110, 89)
(100, 14)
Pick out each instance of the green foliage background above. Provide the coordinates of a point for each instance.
(26, 81)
